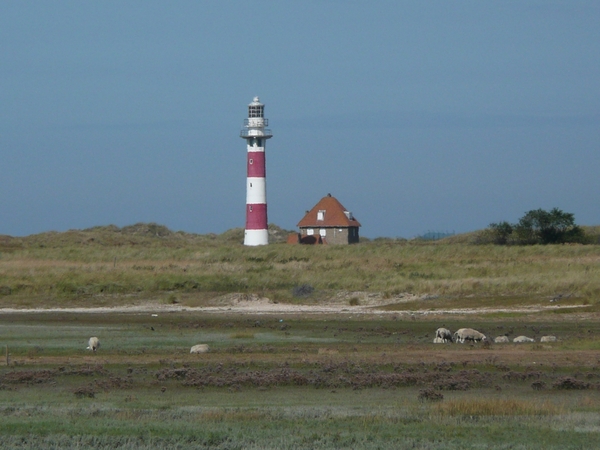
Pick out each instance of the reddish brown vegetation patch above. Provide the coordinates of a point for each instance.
(570, 383)
(84, 391)
(29, 376)
(430, 395)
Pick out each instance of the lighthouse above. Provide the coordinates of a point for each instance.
(256, 135)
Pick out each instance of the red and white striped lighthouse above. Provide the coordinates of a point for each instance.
(256, 136)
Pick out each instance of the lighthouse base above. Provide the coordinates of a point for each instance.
(256, 237)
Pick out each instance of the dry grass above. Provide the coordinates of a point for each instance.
(106, 264)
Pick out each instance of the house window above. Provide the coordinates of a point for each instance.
(321, 215)
(310, 232)
(323, 232)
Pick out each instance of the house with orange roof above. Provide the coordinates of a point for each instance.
(328, 222)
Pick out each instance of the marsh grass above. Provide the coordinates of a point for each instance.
(242, 335)
(330, 383)
(497, 407)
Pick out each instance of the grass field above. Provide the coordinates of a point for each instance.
(295, 381)
(111, 266)
(306, 382)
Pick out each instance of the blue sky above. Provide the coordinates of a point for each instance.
(417, 115)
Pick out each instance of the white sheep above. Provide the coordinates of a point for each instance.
(501, 339)
(469, 334)
(93, 344)
(523, 339)
(200, 348)
(444, 334)
(548, 339)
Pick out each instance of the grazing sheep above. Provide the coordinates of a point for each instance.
(438, 340)
(93, 344)
(200, 348)
(444, 334)
(548, 339)
(523, 339)
(501, 339)
(469, 334)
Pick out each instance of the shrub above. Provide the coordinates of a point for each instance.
(501, 232)
(172, 299)
(429, 395)
(570, 383)
(538, 227)
(84, 391)
(303, 290)
(538, 385)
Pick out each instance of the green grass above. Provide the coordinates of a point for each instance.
(321, 382)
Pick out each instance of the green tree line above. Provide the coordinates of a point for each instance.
(539, 227)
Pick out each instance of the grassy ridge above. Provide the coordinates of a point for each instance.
(107, 264)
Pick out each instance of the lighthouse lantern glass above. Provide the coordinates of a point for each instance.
(256, 111)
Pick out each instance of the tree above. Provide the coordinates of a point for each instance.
(539, 227)
(543, 227)
(501, 232)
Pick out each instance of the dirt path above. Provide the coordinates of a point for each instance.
(265, 306)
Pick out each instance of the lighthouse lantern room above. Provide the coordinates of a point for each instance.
(256, 135)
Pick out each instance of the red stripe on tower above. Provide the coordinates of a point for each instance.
(256, 135)
(256, 216)
(256, 164)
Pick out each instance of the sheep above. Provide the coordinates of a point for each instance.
(444, 335)
(548, 339)
(501, 339)
(523, 339)
(93, 344)
(469, 334)
(200, 348)
(438, 340)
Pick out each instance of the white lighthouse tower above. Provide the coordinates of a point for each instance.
(256, 136)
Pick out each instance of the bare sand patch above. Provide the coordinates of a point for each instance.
(344, 303)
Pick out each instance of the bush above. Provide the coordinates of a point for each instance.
(429, 395)
(570, 383)
(84, 391)
(303, 290)
(354, 301)
(538, 385)
(538, 227)
(501, 232)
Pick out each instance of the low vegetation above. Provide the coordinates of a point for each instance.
(327, 381)
(320, 382)
(539, 227)
(108, 265)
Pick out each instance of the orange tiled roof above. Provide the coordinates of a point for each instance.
(334, 215)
